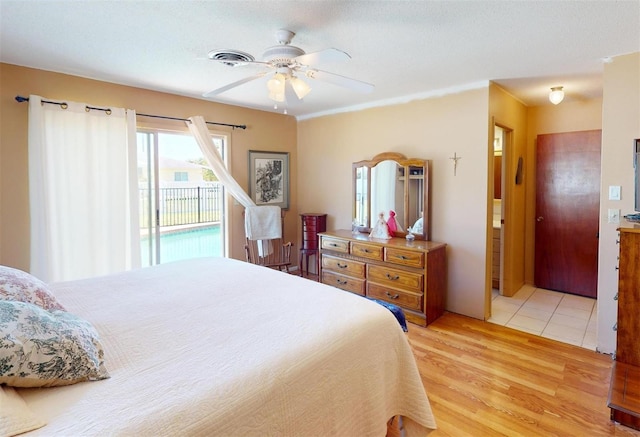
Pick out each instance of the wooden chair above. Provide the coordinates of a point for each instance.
(277, 254)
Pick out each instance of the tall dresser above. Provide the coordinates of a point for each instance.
(411, 275)
(312, 225)
(624, 392)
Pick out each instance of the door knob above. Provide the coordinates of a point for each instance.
(539, 219)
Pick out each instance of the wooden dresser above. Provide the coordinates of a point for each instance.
(312, 225)
(411, 275)
(624, 392)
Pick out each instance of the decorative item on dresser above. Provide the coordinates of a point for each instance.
(312, 225)
(624, 391)
(409, 274)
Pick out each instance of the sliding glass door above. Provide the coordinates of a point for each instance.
(182, 204)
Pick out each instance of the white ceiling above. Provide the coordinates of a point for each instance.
(407, 49)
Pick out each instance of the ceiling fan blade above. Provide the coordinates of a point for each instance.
(233, 85)
(327, 55)
(343, 81)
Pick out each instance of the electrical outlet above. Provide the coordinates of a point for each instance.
(613, 216)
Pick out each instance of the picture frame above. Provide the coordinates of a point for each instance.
(269, 178)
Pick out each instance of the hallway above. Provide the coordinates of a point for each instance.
(559, 316)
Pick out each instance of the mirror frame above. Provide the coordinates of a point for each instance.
(405, 163)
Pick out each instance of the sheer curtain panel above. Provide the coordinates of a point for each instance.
(199, 130)
(83, 190)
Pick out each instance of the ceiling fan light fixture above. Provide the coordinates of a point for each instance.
(275, 86)
(300, 87)
(287, 63)
(556, 95)
(276, 83)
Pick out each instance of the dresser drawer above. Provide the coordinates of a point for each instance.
(495, 271)
(402, 298)
(335, 244)
(409, 258)
(365, 250)
(344, 282)
(344, 266)
(395, 278)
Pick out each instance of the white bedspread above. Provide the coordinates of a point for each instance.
(215, 346)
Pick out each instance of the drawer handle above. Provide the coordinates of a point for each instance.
(366, 250)
(392, 278)
(341, 282)
(342, 266)
(403, 257)
(391, 296)
(333, 245)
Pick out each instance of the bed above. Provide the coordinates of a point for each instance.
(215, 346)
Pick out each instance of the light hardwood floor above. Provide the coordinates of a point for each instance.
(484, 379)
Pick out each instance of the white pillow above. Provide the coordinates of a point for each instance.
(24, 287)
(15, 416)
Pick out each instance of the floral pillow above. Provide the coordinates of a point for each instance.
(40, 348)
(23, 287)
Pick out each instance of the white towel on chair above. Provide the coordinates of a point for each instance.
(263, 222)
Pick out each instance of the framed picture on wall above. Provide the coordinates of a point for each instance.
(269, 178)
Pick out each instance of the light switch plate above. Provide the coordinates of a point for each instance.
(613, 216)
(614, 192)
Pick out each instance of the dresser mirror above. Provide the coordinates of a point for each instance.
(392, 182)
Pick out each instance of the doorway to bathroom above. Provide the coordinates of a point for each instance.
(508, 219)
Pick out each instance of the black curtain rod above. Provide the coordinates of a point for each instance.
(21, 99)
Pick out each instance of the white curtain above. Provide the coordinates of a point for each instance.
(199, 130)
(83, 191)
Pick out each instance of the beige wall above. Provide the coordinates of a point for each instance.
(265, 131)
(620, 126)
(434, 129)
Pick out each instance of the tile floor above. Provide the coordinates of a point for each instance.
(551, 314)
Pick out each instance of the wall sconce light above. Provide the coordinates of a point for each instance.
(556, 95)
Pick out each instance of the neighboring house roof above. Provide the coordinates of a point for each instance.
(165, 162)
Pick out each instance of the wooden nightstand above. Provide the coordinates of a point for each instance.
(312, 225)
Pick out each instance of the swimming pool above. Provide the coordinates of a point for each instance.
(184, 244)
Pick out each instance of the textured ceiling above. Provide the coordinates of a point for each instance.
(407, 49)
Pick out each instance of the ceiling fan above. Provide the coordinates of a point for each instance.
(287, 63)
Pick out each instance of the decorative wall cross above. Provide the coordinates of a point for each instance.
(455, 159)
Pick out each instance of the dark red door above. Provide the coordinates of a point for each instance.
(567, 212)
